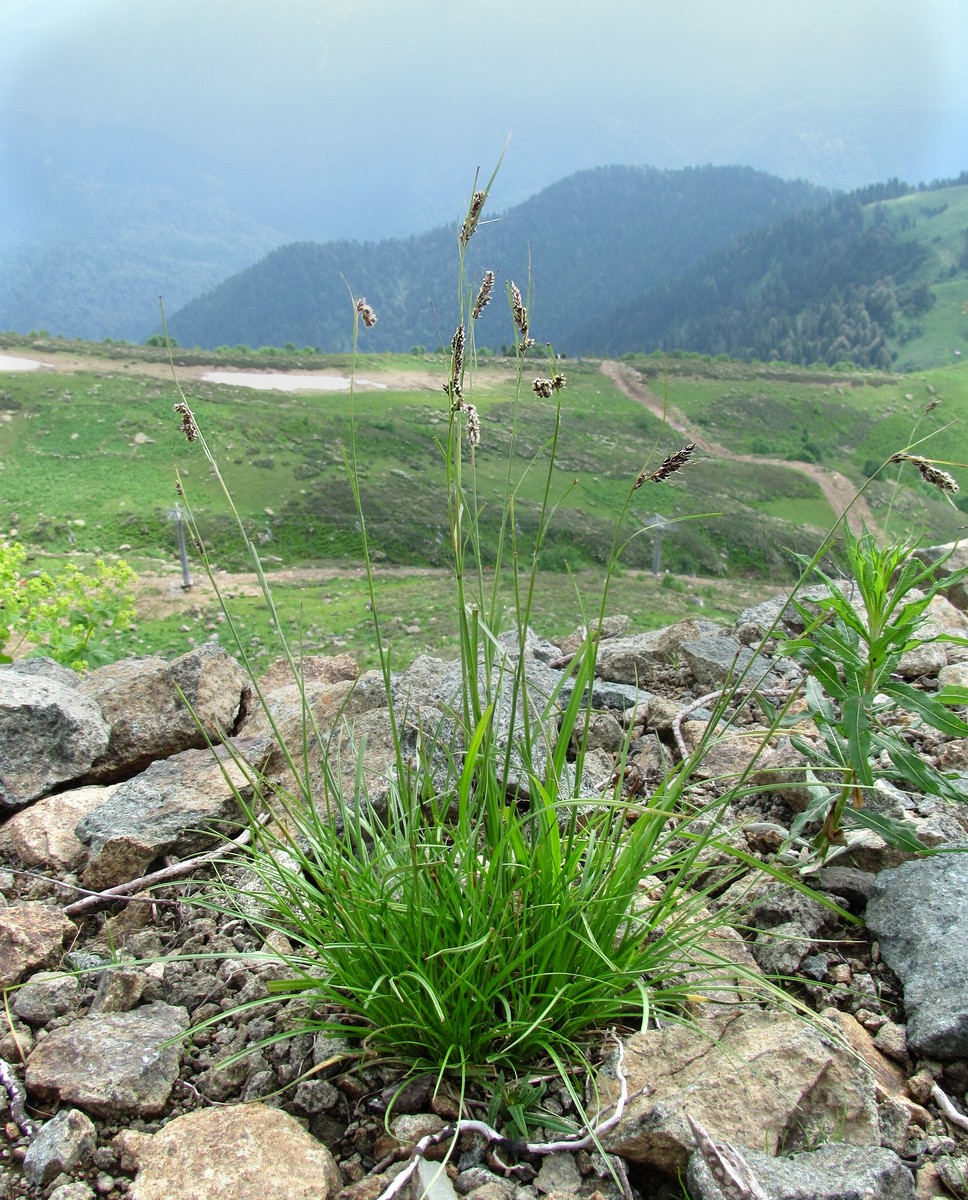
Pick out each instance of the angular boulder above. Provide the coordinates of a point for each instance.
(116, 1065)
(756, 1079)
(236, 1152)
(179, 805)
(50, 734)
(157, 708)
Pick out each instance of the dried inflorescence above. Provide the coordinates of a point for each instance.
(469, 228)
(483, 295)
(189, 428)
(546, 388)
(929, 472)
(366, 312)
(473, 425)
(520, 314)
(454, 386)
(668, 466)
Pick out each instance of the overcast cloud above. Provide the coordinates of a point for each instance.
(402, 100)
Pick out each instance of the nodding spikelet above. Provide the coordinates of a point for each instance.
(931, 405)
(473, 425)
(520, 314)
(484, 295)
(469, 228)
(189, 428)
(366, 312)
(668, 466)
(929, 472)
(545, 388)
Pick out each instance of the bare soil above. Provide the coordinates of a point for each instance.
(839, 491)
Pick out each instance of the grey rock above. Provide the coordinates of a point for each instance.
(917, 911)
(60, 1146)
(46, 995)
(142, 701)
(179, 805)
(432, 1182)
(534, 646)
(558, 1173)
(849, 883)
(715, 659)
(606, 694)
(50, 734)
(953, 1172)
(48, 668)
(833, 1172)
(72, 1191)
(778, 615)
(315, 1095)
(951, 557)
(790, 923)
(638, 658)
(611, 627)
(116, 1065)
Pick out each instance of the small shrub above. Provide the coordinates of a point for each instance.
(65, 615)
(851, 647)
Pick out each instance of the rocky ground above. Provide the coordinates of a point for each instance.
(123, 1024)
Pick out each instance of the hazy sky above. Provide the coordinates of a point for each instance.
(404, 98)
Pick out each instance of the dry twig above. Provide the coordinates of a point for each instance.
(175, 871)
(15, 1090)
(949, 1110)
(582, 1142)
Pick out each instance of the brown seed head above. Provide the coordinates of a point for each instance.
(469, 228)
(189, 428)
(929, 472)
(520, 314)
(484, 295)
(558, 382)
(542, 388)
(366, 313)
(473, 425)
(668, 466)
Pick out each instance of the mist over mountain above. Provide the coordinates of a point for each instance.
(151, 149)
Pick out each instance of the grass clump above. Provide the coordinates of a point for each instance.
(485, 909)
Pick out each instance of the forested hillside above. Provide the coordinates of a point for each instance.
(853, 281)
(713, 260)
(594, 241)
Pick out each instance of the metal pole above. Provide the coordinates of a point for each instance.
(176, 516)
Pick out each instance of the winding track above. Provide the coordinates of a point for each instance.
(839, 491)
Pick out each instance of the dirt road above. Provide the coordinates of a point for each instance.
(840, 492)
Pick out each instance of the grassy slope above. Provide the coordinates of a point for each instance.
(101, 447)
(939, 221)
